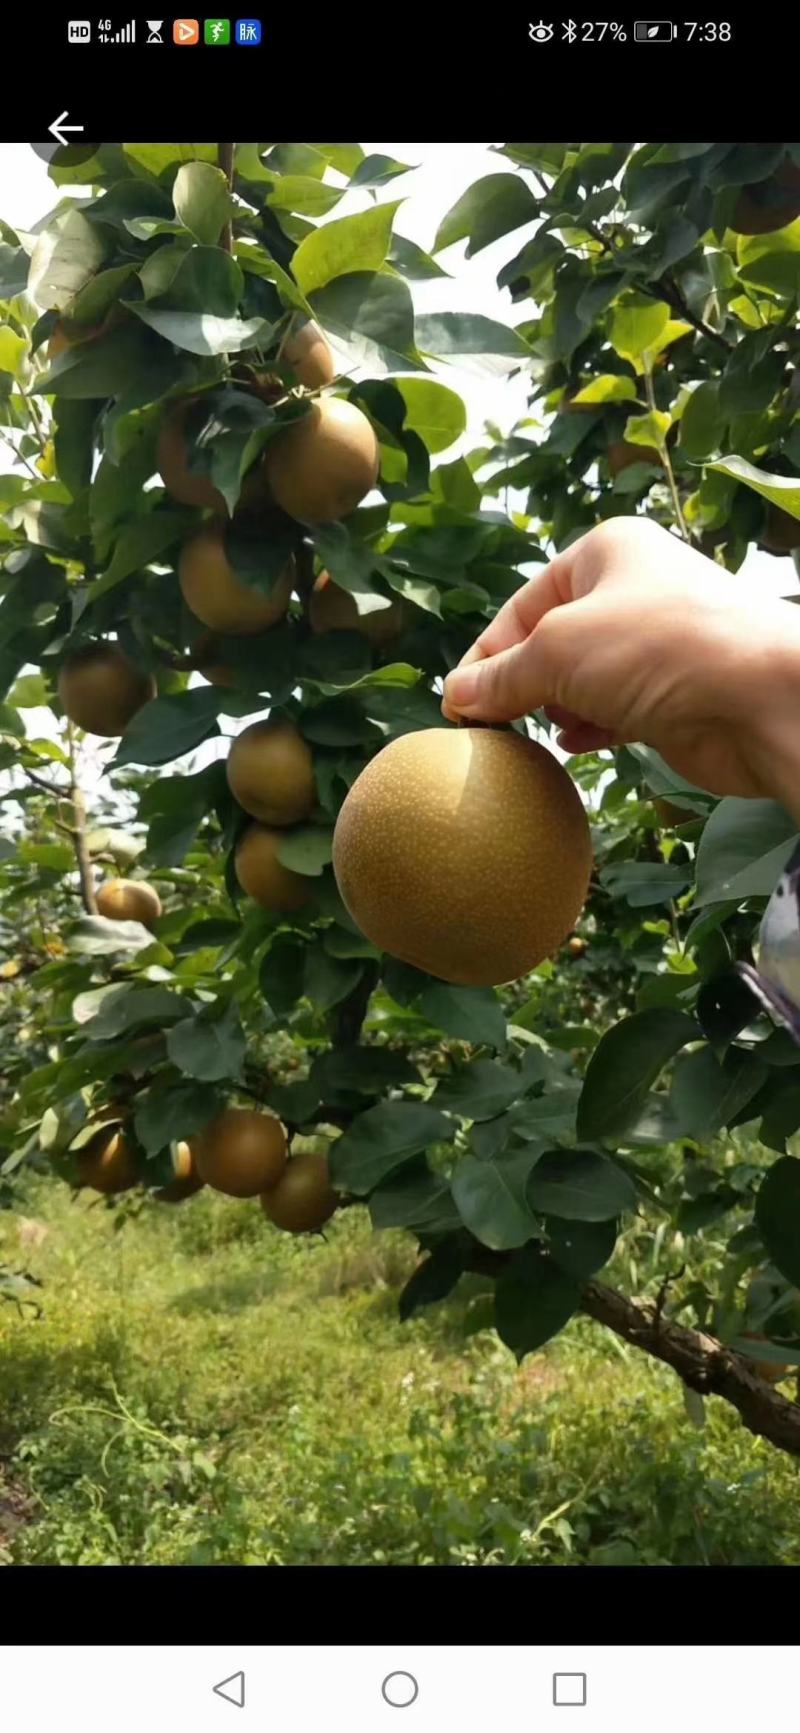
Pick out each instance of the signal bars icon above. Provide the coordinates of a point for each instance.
(126, 34)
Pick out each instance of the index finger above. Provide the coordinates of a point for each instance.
(515, 621)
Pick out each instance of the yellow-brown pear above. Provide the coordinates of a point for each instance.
(218, 597)
(271, 772)
(186, 1179)
(129, 900)
(188, 486)
(100, 690)
(465, 852)
(303, 1199)
(107, 1163)
(332, 609)
(320, 469)
(263, 876)
(309, 356)
(241, 1152)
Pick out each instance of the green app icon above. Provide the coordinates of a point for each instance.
(217, 32)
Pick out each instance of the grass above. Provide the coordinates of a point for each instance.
(201, 1389)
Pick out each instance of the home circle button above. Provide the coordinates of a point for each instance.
(400, 1690)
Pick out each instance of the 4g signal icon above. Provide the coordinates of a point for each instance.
(127, 33)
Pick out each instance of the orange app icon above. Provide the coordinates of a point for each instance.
(186, 31)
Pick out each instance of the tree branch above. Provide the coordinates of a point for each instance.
(702, 1362)
(668, 290)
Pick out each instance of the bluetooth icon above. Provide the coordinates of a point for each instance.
(570, 31)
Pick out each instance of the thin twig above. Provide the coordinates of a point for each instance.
(667, 462)
(19, 456)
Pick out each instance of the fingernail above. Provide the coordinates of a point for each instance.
(462, 686)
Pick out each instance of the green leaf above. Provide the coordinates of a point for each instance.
(547, 1116)
(304, 194)
(347, 244)
(73, 438)
(93, 302)
(281, 974)
(373, 313)
(14, 271)
(581, 1248)
(95, 936)
(707, 1094)
(210, 1046)
(702, 424)
(635, 325)
(579, 1185)
(202, 200)
(328, 980)
(155, 158)
(12, 349)
(166, 728)
(468, 334)
(307, 849)
(411, 261)
(491, 1198)
(203, 333)
(781, 1117)
(641, 883)
(743, 849)
(480, 1090)
(346, 1071)
(381, 1140)
(777, 1215)
(126, 362)
(534, 1299)
(780, 490)
(772, 261)
(433, 1279)
(415, 1199)
(197, 280)
(470, 1013)
(376, 170)
(433, 411)
(649, 430)
(625, 1065)
(65, 256)
(139, 543)
(491, 207)
(126, 1008)
(607, 388)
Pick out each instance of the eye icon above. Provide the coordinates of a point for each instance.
(540, 32)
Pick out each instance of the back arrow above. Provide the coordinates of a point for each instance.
(232, 1689)
(58, 128)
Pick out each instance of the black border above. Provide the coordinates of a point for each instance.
(488, 1605)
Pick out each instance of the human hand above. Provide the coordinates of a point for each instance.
(631, 635)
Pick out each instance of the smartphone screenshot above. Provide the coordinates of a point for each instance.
(399, 870)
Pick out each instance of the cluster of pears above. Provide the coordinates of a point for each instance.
(241, 1153)
(317, 470)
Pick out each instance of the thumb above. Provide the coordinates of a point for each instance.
(501, 688)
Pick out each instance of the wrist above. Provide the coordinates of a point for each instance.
(770, 707)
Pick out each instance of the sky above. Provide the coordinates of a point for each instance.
(443, 172)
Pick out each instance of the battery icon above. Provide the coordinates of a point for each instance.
(653, 30)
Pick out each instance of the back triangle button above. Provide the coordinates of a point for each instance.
(232, 1690)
